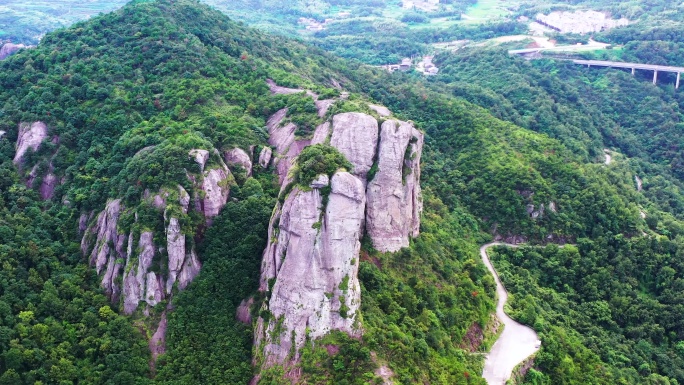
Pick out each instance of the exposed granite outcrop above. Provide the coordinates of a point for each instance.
(309, 267)
(282, 137)
(356, 136)
(31, 135)
(265, 157)
(238, 156)
(322, 106)
(9, 49)
(216, 188)
(316, 286)
(201, 157)
(381, 110)
(321, 134)
(136, 259)
(394, 202)
(47, 187)
(278, 90)
(135, 277)
(175, 248)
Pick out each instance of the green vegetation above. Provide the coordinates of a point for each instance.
(316, 160)
(206, 344)
(129, 94)
(56, 325)
(419, 303)
(608, 310)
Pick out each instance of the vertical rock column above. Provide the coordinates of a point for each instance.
(314, 283)
(394, 197)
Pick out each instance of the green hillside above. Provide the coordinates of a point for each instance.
(127, 95)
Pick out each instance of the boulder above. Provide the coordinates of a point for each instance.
(30, 136)
(238, 156)
(320, 181)
(200, 156)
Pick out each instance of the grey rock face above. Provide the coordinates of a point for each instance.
(310, 263)
(175, 247)
(107, 252)
(552, 207)
(283, 139)
(30, 136)
(316, 283)
(278, 90)
(153, 293)
(391, 196)
(242, 313)
(321, 134)
(83, 224)
(265, 157)
(157, 343)
(200, 156)
(238, 156)
(191, 268)
(2, 133)
(356, 136)
(47, 188)
(216, 187)
(322, 106)
(381, 110)
(105, 230)
(320, 181)
(183, 199)
(9, 49)
(135, 279)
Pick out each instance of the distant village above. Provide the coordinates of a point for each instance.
(315, 25)
(424, 66)
(426, 5)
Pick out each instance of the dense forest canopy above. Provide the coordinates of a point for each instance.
(513, 148)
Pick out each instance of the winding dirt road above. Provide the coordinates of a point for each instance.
(516, 343)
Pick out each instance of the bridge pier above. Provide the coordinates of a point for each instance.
(633, 71)
(655, 76)
(677, 84)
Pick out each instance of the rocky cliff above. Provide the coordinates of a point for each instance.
(9, 49)
(309, 268)
(144, 266)
(31, 135)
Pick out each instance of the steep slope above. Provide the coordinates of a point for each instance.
(165, 134)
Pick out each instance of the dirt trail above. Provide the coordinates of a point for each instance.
(516, 343)
(608, 157)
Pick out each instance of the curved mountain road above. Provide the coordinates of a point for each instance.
(516, 343)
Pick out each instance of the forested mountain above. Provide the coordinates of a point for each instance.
(144, 151)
